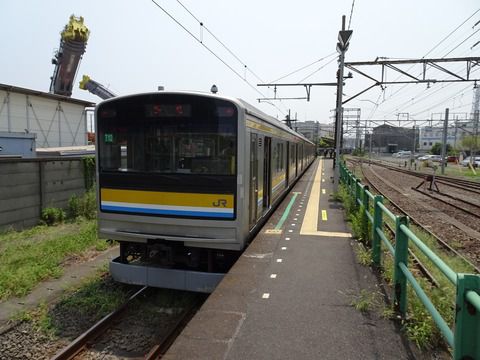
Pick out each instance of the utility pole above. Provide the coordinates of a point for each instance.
(342, 46)
(444, 142)
(475, 136)
(412, 156)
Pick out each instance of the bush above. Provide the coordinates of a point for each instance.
(52, 216)
(84, 206)
(74, 209)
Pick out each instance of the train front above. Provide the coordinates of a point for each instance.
(167, 185)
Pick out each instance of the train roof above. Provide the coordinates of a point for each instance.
(249, 109)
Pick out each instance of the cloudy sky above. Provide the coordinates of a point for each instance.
(135, 46)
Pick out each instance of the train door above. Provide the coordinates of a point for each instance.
(253, 180)
(267, 183)
(287, 169)
(296, 160)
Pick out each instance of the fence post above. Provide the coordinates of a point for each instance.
(366, 208)
(401, 256)
(357, 191)
(467, 319)
(377, 224)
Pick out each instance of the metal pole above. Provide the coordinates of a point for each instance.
(339, 113)
(412, 157)
(475, 131)
(444, 141)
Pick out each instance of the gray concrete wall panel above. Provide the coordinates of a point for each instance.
(28, 186)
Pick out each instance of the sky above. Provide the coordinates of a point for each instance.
(134, 46)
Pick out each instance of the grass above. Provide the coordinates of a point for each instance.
(30, 256)
(39, 319)
(98, 295)
(418, 325)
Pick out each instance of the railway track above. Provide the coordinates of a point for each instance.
(443, 244)
(86, 340)
(462, 184)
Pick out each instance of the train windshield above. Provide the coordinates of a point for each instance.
(167, 134)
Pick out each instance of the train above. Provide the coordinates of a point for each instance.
(185, 180)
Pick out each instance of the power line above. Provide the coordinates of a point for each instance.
(351, 13)
(451, 33)
(219, 41)
(302, 68)
(431, 50)
(320, 68)
(468, 37)
(212, 52)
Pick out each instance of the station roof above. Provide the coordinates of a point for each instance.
(20, 90)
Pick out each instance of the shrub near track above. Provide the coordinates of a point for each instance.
(28, 257)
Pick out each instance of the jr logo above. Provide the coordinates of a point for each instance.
(220, 202)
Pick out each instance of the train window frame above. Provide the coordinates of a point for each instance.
(161, 144)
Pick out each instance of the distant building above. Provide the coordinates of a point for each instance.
(387, 138)
(313, 130)
(47, 119)
(429, 135)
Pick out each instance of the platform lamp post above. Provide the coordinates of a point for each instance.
(342, 46)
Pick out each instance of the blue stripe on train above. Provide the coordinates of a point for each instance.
(166, 212)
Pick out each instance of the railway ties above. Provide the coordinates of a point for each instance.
(83, 345)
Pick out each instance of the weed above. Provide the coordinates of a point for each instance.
(51, 216)
(388, 313)
(39, 319)
(365, 301)
(84, 206)
(364, 255)
(97, 295)
(357, 224)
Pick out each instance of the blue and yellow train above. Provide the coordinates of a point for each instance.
(185, 180)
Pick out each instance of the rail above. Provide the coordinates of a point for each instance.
(464, 338)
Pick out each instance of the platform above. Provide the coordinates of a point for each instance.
(290, 294)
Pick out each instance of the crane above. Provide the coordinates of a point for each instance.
(73, 42)
(95, 88)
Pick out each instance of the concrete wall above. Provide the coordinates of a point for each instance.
(27, 186)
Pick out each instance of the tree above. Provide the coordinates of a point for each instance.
(437, 149)
(471, 142)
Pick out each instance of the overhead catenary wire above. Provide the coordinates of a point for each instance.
(351, 14)
(320, 68)
(403, 87)
(213, 53)
(220, 42)
(468, 37)
(302, 68)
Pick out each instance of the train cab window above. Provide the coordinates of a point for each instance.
(187, 138)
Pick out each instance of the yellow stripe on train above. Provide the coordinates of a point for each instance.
(167, 198)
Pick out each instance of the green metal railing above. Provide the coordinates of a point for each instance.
(464, 339)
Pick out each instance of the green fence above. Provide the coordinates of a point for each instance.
(464, 338)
